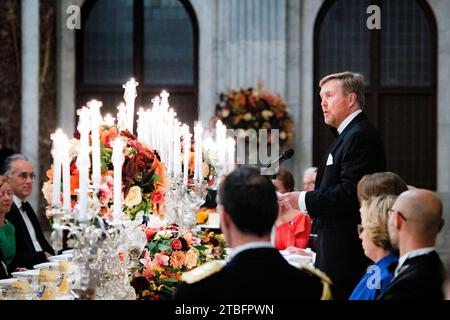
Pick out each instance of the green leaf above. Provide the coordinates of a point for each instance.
(153, 247)
(163, 247)
(170, 280)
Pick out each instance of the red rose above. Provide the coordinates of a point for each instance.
(110, 138)
(176, 244)
(150, 233)
(156, 197)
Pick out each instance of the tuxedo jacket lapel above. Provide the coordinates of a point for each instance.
(337, 142)
(22, 233)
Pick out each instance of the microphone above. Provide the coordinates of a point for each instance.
(283, 157)
(268, 171)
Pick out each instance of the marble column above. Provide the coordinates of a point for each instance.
(65, 71)
(206, 14)
(30, 89)
(442, 12)
(251, 44)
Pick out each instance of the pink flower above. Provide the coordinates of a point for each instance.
(146, 260)
(105, 195)
(176, 244)
(196, 241)
(161, 260)
(217, 252)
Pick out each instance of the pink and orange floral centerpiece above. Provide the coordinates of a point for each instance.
(170, 252)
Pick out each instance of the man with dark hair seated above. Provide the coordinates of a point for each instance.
(256, 271)
(414, 223)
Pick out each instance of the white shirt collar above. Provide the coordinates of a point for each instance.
(17, 202)
(412, 254)
(251, 245)
(347, 121)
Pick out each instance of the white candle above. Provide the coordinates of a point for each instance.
(221, 135)
(67, 203)
(230, 154)
(109, 120)
(170, 141)
(121, 117)
(141, 136)
(130, 95)
(57, 138)
(94, 108)
(155, 120)
(198, 137)
(83, 162)
(164, 101)
(176, 149)
(187, 152)
(117, 159)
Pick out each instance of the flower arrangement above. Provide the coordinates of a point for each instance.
(255, 108)
(143, 175)
(168, 254)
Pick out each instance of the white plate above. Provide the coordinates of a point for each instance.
(62, 257)
(25, 274)
(7, 282)
(208, 226)
(68, 251)
(46, 265)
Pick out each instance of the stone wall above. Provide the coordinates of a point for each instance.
(47, 89)
(10, 77)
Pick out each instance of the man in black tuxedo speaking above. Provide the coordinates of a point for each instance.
(31, 246)
(356, 151)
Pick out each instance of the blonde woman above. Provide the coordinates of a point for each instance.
(374, 234)
(7, 231)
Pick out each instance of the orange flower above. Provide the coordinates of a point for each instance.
(148, 273)
(107, 136)
(74, 183)
(177, 259)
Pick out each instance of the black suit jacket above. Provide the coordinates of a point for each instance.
(255, 274)
(26, 255)
(334, 204)
(421, 280)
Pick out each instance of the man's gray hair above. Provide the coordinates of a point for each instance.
(7, 165)
(310, 170)
(351, 83)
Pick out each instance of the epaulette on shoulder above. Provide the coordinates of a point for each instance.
(203, 271)
(326, 281)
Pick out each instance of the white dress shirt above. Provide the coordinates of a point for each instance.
(415, 253)
(28, 223)
(342, 126)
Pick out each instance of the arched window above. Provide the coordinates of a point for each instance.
(399, 66)
(155, 41)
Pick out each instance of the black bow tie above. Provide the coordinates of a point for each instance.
(27, 207)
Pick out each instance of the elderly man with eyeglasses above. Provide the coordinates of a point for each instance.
(31, 246)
